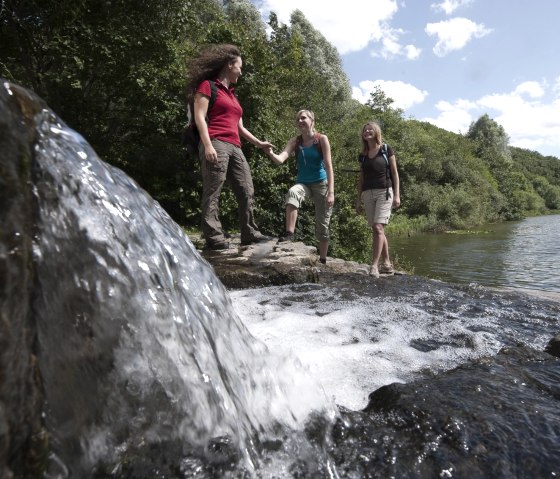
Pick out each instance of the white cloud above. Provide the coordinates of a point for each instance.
(454, 117)
(532, 88)
(529, 121)
(411, 52)
(404, 95)
(449, 6)
(556, 87)
(391, 46)
(454, 34)
(348, 25)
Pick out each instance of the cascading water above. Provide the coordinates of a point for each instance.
(138, 340)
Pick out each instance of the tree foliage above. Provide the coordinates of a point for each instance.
(115, 72)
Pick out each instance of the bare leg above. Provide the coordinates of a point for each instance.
(291, 218)
(379, 243)
(385, 252)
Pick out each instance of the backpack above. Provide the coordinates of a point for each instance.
(316, 143)
(384, 152)
(387, 168)
(191, 136)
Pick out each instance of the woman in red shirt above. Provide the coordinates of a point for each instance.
(221, 129)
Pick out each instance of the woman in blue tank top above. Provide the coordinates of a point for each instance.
(315, 179)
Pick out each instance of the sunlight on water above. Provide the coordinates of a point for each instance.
(356, 347)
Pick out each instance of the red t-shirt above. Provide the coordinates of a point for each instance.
(223, 117)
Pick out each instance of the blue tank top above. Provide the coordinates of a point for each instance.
(310, 166)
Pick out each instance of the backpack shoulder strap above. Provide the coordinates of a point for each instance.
(213, 94)
(385, 153)
(317, 142)
(299, 142)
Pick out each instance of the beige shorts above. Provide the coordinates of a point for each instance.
(318, 193)
(377, 206)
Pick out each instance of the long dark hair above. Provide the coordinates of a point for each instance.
(208, 64)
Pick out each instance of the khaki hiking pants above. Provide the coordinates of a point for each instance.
(233, 167)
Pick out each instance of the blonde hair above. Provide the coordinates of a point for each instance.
(311, 115)
(376, 136)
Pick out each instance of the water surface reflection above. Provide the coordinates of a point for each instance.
(522, 254)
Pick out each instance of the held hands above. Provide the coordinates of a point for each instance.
(265, 146)
(268, 150)
(276, 159)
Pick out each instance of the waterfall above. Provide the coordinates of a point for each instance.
(138, 340)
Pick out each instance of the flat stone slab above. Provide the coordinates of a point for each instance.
(274, 263)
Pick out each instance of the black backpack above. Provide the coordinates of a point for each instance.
(387, 168)
(191, 136)
(385, 154)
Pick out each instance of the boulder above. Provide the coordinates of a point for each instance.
(22, 438)
(553, 346)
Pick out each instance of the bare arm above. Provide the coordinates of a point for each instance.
(247, 135)
(201, 103)
(360, 185)
(281, 157)
(396, 181)
(327, 161)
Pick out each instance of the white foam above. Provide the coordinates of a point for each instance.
(354, 347)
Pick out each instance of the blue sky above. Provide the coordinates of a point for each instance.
(450, 61)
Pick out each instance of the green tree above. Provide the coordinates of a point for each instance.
(114, 72)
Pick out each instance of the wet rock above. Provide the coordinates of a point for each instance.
(21, 438)
(553, 346)
(494, 417)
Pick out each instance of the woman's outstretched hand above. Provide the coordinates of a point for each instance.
(264, 145)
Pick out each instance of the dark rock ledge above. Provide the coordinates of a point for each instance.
(273, 263)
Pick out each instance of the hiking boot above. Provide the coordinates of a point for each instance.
(386, 269)
(217, 246)
(257, 239)
(286, 236)
(373, 271)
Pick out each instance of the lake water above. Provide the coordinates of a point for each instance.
(520, 255)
